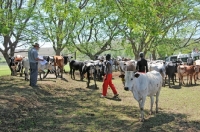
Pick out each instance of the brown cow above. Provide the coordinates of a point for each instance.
(189, 71)
(59, 63)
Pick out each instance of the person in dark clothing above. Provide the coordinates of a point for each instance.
(190, 60)
(142, 65)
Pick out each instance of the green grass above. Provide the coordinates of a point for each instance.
(67, 105)
(4, 69)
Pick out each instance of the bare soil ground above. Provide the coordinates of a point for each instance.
(66, 105)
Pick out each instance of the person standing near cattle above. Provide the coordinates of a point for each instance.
(107, 80)
(142, 64)
(190, 60)
(33, 61)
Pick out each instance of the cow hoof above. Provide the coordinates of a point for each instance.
(142, 120)
(126, 89)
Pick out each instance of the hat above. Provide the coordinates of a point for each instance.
(36, 45)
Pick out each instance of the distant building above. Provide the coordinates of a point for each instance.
(43, 51)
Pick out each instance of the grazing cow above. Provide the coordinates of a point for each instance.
(76, 65)
(170, 72)
(16, 64)
(143, 85)
(158, 66)
(90, 69)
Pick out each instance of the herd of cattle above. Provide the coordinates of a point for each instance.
(142, 85)
(95, 68)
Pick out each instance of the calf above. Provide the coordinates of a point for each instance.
(143, 85)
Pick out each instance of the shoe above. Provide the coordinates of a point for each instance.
(116, 95)
(102, 96)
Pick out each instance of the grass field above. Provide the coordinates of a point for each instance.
(4, 69)
(66, 105)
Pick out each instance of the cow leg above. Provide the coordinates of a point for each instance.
(151, 107)
(88, 76)
(141, 104)
(73, 71)
(61, 72)
(169, 77)
(46, 74)
(21, 70)
(172, 77)
(195, 78)
(94, 74)
(157, 99)
(175, 77)
(55, 68)
(179, 80)
(70, 72)
(81, 76)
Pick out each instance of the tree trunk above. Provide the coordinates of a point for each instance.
(58, 51)
(6, 57)
(154, 54)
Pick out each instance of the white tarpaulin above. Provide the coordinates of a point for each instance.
(42, 62)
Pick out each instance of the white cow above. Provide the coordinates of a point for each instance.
(158, 66)
(41, 67)
(143, 85)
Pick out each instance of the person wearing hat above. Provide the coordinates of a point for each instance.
(142, 65)
(33, 61)
(107, 80)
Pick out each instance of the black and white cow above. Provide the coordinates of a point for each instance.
(89, 68)
(16, 65)
(41, 67)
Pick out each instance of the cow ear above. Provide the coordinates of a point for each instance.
(137, 75)
(122, 76)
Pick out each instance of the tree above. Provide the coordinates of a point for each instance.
(58, 20)
(96, 30)
(147, 23)
(15, 17)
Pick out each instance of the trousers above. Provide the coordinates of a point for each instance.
(33, 73)
(108, 82)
